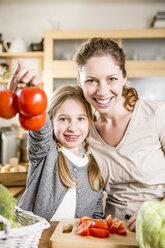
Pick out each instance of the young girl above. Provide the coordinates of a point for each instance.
(64, 180)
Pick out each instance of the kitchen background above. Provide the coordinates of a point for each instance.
(29, 19)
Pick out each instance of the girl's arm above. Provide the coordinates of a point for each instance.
(39, 141)
(99, 207)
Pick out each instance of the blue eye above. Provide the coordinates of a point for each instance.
(63, 119)
(81, 118)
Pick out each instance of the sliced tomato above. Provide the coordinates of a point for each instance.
(99, 224)
(109, 220)
(114, 225)
(84, 218)
(99, 233)
(121, 230)
(83, 228)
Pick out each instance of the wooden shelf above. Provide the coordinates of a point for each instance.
(4, 80)
(54, 68)
(22, 55)
(67, 69)
(115, 34)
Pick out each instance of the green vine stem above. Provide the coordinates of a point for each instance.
(5, 73)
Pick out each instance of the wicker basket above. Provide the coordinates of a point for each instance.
(24, 237)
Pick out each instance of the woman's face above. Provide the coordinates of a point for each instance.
(102, 83)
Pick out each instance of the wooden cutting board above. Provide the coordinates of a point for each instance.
(65, 236)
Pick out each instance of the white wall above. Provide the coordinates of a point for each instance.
(30, 18)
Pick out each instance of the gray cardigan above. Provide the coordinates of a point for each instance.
(44, 190)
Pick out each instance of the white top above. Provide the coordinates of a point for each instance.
(67, 207)
(134, 170)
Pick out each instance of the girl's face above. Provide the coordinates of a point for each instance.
(71, 124)
(102, 83)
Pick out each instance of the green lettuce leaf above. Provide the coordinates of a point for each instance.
(150, 225)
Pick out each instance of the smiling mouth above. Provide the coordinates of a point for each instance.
(103, 102)
(71, 137)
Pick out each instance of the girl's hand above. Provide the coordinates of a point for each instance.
(131, 223)
(23, 76)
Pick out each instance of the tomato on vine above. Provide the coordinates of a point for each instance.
(8, 104)
(31, 101)
(32, 122)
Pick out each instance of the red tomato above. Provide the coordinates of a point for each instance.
(84, 218)
(99, 233)
(8, 104)
(114, 225)
(32, 122)
(121, 230)
(99, 224)
(83, 228)
(109, 220)
(31, 101)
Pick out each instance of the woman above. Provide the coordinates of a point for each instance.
(127, 138)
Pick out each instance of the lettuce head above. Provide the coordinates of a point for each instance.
(150, 225)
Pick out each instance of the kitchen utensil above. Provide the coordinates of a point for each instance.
(37, 46)
(18, 45)
(9, 144)
(65, 236)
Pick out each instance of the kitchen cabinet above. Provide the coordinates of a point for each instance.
(35, 59)
(60, 46)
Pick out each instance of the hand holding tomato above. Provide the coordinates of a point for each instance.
(22, 76)
(30, 102)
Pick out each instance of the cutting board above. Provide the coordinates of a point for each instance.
(65, 236)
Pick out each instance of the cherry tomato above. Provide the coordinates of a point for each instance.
(121, 230)
(114, 225)
(109, 220)
(32, 122)
(8, 104)
(99, 224)
(84, 218)
(31, 101)
(83, 228)
(99, 233)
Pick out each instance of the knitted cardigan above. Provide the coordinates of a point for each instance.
(44, 190)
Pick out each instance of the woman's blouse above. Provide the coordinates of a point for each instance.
(134, 170)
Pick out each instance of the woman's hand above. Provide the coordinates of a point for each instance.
(22, 76)
(131, 223)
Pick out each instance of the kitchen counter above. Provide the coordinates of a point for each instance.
(47, 233)
(16, 191)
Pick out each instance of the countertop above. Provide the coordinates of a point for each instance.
(16, 191)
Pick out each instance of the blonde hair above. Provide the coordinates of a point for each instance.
(101, 46)
(94, 176)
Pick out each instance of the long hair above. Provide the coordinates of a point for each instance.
(102, 46)
(94, 176)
